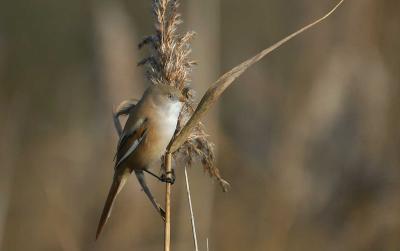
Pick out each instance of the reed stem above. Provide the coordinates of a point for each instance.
(167, 227)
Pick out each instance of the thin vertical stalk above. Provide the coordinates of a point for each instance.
(196, 247)
(167, 228)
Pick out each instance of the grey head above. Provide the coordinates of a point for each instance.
(164, 94)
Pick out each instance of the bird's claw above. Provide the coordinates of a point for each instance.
(168, 177)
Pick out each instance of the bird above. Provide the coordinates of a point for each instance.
(148, 130)
(123, 109)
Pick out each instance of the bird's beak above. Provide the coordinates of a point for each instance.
(182, 99)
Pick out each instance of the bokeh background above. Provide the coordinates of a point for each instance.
(309, 138)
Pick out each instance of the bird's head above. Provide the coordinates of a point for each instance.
(166, 95)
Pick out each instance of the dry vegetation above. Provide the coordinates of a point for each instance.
(169, 63)
(309, 139)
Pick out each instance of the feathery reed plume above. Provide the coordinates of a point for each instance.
(169, 63)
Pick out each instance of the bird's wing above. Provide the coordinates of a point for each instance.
(128, 142)
(124, 109)
(130, 139)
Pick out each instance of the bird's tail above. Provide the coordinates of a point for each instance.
(116, 186)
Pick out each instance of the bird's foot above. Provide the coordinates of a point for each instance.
(168, 177)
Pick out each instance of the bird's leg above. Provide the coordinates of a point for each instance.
(163, 177)
(153, 174)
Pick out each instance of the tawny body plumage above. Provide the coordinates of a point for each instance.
(146, 134)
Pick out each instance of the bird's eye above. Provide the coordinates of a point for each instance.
(170, 96)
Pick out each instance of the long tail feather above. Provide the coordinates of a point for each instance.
(116, 186)
(142, 181)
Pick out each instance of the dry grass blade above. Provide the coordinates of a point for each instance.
(216, 89)
(191, 211)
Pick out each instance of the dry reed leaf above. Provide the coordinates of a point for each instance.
(216, 89)
(169, 64)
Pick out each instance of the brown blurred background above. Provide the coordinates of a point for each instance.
(309, 138)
